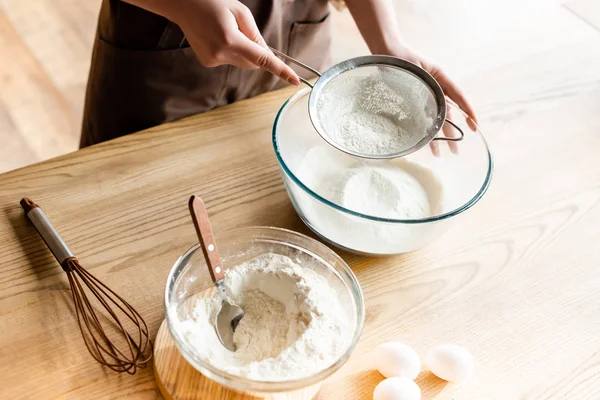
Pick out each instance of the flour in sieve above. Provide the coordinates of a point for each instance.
(293, 327)
(378, 114)
(366, 133)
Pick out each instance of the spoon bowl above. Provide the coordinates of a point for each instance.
(226, 321)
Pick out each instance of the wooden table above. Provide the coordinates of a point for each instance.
(516, 281)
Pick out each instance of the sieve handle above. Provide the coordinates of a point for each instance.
(298, 63)
(457, 139)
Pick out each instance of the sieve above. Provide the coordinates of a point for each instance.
(386, 89)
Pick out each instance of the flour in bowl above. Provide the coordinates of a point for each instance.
(395, 189)
(385, 192)
(293, 325)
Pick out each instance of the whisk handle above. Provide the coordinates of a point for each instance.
(207, 240)
(45, 229)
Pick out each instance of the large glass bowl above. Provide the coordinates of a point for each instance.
(190, 276)
(459, 181)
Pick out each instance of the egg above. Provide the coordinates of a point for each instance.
(397, 388)
(397, 359)
(450, 362)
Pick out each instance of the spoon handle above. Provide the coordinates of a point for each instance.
(206, 238)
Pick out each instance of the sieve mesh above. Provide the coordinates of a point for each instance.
(377, 110)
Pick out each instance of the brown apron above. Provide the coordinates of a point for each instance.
(144, 73)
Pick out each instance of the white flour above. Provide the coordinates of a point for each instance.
(396, 189)
(378, 114)
(293, 325)
(367, 133)
(385, 192)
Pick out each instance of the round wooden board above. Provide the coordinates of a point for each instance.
(178, 380)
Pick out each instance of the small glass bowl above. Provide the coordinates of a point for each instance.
(190, 275)
(463, 178)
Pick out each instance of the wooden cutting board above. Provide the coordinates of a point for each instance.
(178, 380)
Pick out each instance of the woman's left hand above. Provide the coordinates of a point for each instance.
(377, 22)
(451, 90)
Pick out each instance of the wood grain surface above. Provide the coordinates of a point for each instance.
(515, 280)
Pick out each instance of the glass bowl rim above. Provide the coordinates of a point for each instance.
(313, 194)
(246, 384)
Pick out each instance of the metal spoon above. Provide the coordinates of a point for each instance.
(229, 315)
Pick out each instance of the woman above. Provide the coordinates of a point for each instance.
(159, 60)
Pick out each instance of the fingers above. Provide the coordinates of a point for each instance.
(265, 59)
(435, 148)
(241, 62)
(253, 48)
(470, 121)
(450, 131)
(453, 92)
(472, 124)
(247, 25)
(235, 39)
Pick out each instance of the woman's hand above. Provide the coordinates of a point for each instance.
(221, 32)
(376, 20)
(452, 92)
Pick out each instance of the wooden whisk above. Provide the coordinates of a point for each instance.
(117, 338)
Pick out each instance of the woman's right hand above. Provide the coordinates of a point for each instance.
(221, 32)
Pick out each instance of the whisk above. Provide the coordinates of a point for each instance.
(128, 347)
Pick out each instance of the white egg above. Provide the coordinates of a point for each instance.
(450, 362)
(397, 388)
(397, 359)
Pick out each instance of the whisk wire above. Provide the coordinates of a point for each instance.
(84, 313)
(82, 319)
(102, 348)
(137, 350)
(127, 310)
(93, 325)
(134, 355)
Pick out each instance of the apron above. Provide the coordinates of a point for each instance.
(144, 73)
